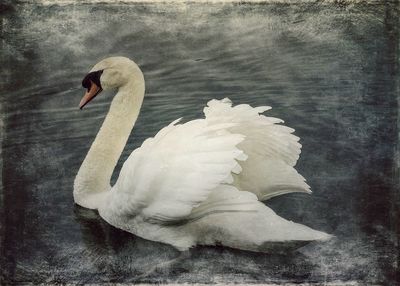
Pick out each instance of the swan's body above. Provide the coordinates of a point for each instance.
(194, 183)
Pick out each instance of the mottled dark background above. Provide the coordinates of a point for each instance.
(329, 69)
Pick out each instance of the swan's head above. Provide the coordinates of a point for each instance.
(109, 73)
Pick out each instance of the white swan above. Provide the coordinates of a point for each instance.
(200, 182)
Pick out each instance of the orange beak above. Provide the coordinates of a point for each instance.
(90, 94)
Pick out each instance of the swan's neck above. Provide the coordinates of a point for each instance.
(92, 182)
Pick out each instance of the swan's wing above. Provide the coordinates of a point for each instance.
(272, 149)
(175, 171)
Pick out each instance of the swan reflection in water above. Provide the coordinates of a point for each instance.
(196, 183)
(129, 258)
(122, 254)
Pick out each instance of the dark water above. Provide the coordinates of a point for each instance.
(328, 70)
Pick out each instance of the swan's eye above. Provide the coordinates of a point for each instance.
(86, 82)
(92, 77)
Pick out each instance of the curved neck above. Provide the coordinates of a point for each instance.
(93, 179)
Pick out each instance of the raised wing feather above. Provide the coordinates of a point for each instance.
(272, 149)
(175, 171)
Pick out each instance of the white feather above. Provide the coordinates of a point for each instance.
(272, 149)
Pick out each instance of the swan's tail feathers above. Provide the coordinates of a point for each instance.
(237, 219)
(271, 148)
(261, 230)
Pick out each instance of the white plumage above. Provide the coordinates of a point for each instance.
(199, 182)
